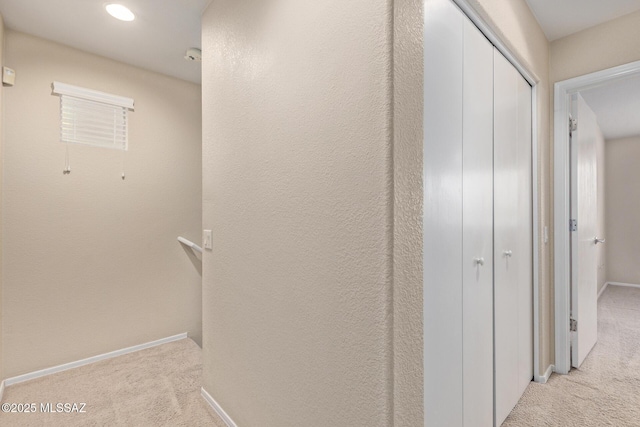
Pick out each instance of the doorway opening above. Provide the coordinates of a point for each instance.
(575, 329)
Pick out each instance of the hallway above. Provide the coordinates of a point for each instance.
(606, 389)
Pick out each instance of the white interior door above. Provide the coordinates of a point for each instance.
(477, 234)
(512, 236)
(584, 209)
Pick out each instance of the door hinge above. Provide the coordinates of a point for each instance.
(573, 325)
(573, 124)
(573, 225)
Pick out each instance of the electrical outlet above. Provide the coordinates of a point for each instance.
(207, 239)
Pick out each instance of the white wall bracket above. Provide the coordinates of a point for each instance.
(190, 244)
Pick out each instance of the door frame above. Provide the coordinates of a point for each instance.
(562, 200)
(464, 5)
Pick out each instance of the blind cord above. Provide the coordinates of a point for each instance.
(123, 175)
(67, 162)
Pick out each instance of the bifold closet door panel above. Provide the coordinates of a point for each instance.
(506, 221)
(477, 235)
(443, 61)
(513, 236)
(524, 240)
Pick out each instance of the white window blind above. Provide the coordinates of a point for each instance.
(93, 118)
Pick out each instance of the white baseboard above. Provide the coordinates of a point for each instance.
(606, 285)
(628, 285)
(71, 365)
(544, 378)
(217, 408)
(1, 390)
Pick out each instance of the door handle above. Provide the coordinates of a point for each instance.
(478, 261)
(596, 240)
(507, 254)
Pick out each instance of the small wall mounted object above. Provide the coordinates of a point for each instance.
(8, 76)
(190, 244)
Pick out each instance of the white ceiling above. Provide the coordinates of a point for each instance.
(559, 18)
(156, 40)
(165, 29)
(617, 107)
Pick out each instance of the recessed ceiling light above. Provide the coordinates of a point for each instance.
(120, 12)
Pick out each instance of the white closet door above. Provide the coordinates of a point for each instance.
(477, 143)
(524, 240)
(505, 224)
(477, 234)
(443, 54)
(512, 238)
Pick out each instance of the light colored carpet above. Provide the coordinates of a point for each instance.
(605, 391)
(159, 386)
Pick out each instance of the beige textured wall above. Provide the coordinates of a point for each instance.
(91, 263)
(623, 209)
(515, 24)
(603, 46)
(408, 76)
(297, 174)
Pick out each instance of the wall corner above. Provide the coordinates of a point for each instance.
(408, 331)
